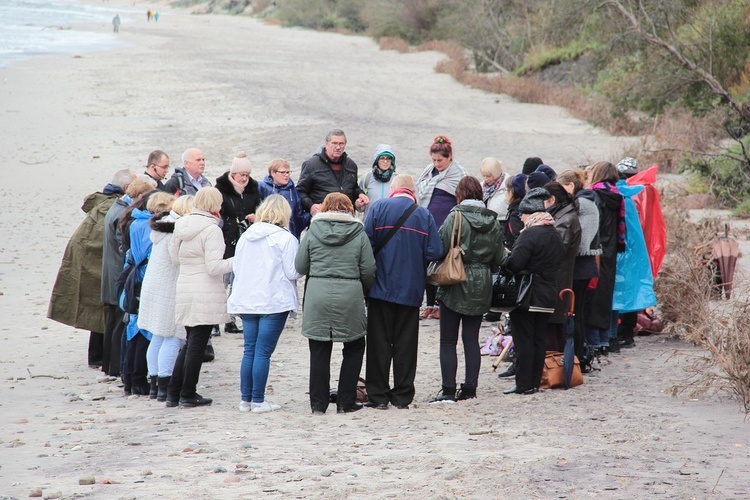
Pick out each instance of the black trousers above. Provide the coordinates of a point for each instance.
(320, 373)
(449, 324)
(430, 295)
(187, 366)
(136, 376)
(114, 328)
(581, 291)
(627, 325)
(392, 334)
(529, 339)
(96, 348)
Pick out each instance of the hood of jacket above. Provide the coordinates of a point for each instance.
(335, 229)
(224, 185)
(164, 222)
(627, 190)
(94, 199)
(191, 225)
(610, 199)
(383, 149)
(481, 219)
(268, 181)
(139, 213)
(261, 230)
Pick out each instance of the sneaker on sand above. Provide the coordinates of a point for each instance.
(264, 407)
(245, 406)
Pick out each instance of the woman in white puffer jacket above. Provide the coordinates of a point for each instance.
(156, 311)
(200, 301)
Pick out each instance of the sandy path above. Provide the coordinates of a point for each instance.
(223, 84)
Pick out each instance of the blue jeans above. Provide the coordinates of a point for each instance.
(613, 325)
(262, 332)
(597, 337)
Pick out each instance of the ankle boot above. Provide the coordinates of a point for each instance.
(152, 390)
(466, 392)
(162, 386)
(446, 395)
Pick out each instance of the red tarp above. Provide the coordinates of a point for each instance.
(651, 216)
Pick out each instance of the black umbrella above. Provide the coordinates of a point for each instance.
(569, 353)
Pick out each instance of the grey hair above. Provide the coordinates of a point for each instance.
(148, 180)
(337, 132)
(122, 178)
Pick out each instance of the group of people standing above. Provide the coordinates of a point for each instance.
(363, 244)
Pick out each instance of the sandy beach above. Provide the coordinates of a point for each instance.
(225, 84)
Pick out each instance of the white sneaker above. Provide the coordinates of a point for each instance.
(246, 406)
(265, 406)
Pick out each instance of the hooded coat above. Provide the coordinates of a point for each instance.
(198, 248)
(337, 258)
(265, 279)
(599, 309)
(76, 294)
(374, 188)
(234, 208)
(156, 311)
(481, 241)
(300, 218)
(140, 250)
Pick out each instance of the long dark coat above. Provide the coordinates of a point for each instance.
(234, 208)
(569, 229)
(76, 295)
(599, 309)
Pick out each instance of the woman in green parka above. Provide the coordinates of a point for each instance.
(337, 258)
(465, 304)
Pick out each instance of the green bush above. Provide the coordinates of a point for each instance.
(726, 176)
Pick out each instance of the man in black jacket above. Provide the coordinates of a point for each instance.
(157, 167)
(330, 171)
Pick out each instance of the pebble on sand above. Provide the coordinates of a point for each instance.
(87, 480)
(36, 493)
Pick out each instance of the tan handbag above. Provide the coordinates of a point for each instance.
(450, 269)
(553, 375)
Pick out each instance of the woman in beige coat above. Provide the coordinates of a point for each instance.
(200, 302)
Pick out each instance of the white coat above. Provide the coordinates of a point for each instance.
(497, 202)
(264, 272)
(156, 310)
(198, 247)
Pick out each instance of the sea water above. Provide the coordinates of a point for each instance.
(31, 28)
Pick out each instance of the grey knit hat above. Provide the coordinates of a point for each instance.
(534, 201)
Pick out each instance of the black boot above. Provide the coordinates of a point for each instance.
(152, 391)
(162, 389)
(446, 395)
(466, 392)
(509, 372)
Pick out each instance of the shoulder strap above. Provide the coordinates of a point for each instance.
(456, 235)
(395, 228)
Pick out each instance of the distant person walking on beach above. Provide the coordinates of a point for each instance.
(116, 23)
(156, 17)
(149, 13)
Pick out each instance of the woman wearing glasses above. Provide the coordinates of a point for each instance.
(279, 181)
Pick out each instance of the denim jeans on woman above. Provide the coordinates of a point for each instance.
(261, 332)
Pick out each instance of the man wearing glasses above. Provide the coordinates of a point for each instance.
(157, 167)
(330, 171)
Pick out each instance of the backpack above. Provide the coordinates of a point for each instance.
(128, 289)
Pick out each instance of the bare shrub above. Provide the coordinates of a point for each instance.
(391, 43)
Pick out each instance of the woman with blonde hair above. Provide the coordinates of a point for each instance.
(200, 301)
(156, 313)
(263, 295)
(493, 187)
(337, 258)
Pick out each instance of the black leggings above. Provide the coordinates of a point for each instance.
(449, 323)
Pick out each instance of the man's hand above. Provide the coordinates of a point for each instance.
(362, 200)
(250, 218)
(315, 209)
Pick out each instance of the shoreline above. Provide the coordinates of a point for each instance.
(225, 83)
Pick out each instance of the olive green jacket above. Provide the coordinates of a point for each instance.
(336, 256)
(482, 242)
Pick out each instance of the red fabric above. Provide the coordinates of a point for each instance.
(651, 216)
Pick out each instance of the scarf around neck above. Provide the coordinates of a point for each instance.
(239, 186)
(538, 219)
(447, 180)
(621, 229)
(488, 191)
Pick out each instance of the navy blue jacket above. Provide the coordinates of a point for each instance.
(402, 262)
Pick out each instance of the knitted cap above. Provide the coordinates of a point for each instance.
(519, 185)
(533, 201)
(240, 164)
(627, 167)
(530, 164)
(547, 170)
(537, 180)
